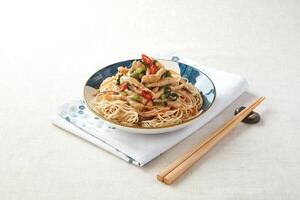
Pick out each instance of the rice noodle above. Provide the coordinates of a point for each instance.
(118, 103)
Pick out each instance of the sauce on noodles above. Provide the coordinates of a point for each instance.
(147, 95)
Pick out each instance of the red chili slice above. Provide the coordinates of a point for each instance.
(123, 87)
(146, 95)
(147, 60)
(152, 69)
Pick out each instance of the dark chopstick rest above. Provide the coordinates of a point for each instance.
(252, 118)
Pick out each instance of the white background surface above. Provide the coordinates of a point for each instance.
(49, 48)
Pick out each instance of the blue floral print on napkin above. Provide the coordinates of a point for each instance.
(78, 115)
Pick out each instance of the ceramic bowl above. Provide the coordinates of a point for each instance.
(199, 79)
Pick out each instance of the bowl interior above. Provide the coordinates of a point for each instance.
(195, 76)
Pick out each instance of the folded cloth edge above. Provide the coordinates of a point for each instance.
(58, 121)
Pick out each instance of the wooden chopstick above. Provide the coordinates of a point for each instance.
(179, 166)
(177, 162)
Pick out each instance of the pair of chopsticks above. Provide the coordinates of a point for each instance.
(183, 163)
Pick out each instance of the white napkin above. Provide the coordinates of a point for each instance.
(139, 149)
